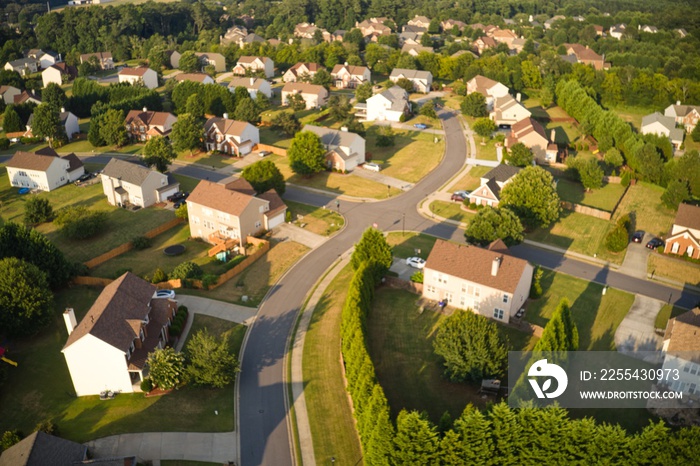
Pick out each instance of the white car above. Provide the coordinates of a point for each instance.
(415, 262)
(371, 167)
(263, 153)
(162, 294)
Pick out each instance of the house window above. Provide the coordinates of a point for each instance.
(431, 289)
(441, 278)
(462, 300)
(498, 314)
(464, 287)
(692, 388)
(195, 220)
(693, 369)
(448, 297)
(258, 224)
(686, 368)
(476, 304)
(477, 291)
(505, 298)
(675, 247)
(690, 251)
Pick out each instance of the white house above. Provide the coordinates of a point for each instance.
(128, 184)
(345, 150)
(253, 85)
(8, 94)
(349, 76)
(230, 136)
(247, 64)
(55, 73)
(314, 96)
(681, 348)
(508, 110)
(662, 125)
(489, 88)
(489, 191)
(415, 49)
(301, 72)
(388, 105)
(68, 120)
(212, 59)
(108, 349)
(44, 169)
(23, 66)
(490, 281)
(422, 80)
(144, 75)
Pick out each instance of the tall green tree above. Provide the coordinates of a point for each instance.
(37, 210)
(428, 110)
(363, 92)
(519, 155)
(533, 197)
(195, 106)
(687, 169)
(187, 133)
(372, 247)
(591, 174)
(287, 122)
(675, 193)
(247, 111)
(25, 297)
(322, 78)
(560, 333)
(416, 441)
(263, 176)
(189, 62)
(54, 96)
(491, 224)
(159, 152)
(46, 123)
(474, 430)
(306, 154)
(209, 360)
(111, 128)
(614, 158)
(11, 121)
(474, 105)
(484, 127)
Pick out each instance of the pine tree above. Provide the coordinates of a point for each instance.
(509, 437)
(11, 121)
(476, 436)
(415, 441)
(372, 247)
(560, 333)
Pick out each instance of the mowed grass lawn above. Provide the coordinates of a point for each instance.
(316, 220)
(413, 155)
(121, 225)
(596, 316)
(643, 203)
(330, 416)
(605, 198)
(675, 269)
(472, 179)
(400, 342)
(405, 244)
(451, 210)
(40, 388)
(335, 182)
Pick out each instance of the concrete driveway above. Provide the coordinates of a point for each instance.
(287, 231)
(383, 179)
(636, 331)
(210, 307)
(399, 266)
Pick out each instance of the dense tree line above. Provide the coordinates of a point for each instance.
(123, 96)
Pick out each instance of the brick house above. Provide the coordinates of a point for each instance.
(685, 232)
(230, 136)
(142, 125)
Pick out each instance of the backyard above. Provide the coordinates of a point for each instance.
(643, 203)
(605, 198)
(40, 388)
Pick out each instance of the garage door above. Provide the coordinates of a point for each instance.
(278, 219)
(163, 196)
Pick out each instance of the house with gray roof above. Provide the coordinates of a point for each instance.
(345, 150)
(656, 123)
(422, 80)
(23, 66)
(489, 192)
(69, 122)
(107, 350)
(127, 184)
(385, 106)
(44, 169)
(41, 449)
(686, 115)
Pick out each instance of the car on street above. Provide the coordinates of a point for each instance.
(263, 153)
(420, 126)
(373, 167)
(163, 294)
(655, 243)
(415, 262)
(638, 236)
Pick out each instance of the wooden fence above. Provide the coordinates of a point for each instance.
(275, 150)
(395, 282)
(91, 281)
(119, 250)
(585, 210)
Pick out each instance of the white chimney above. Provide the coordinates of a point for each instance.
(346, 63)
(145, 109)
(252, 81)
(225, 116)
(678, 102)
(69, 318)
(63, 110)
(552, 136)
(518, 96)
(344, 128)
(495, 265)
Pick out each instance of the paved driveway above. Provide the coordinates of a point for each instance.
(635, 263)
(287, 231)
(636, 331)
(383, 179)
(210, 307)
(399, 266)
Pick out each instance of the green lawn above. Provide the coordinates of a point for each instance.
(674, 268)
(485, 149)
(605, 198)
(40, 388)
(596, 316)
(472, 179)
(333, 435)
(187, 183)
(275, 137)
(451, 210)
(413, 155)
(316, 220)
(405, 245)
(643, 203)
(207, 159)
(578, 233)
(632, 114)
(667, 312)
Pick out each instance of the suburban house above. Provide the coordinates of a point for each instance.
(550, 22)
(656, 123)
(248, 64)
(104, 59)
(388, 105)
(69, 122)
(140, 75)
(142, 125)
(314, 96)
(532, 134)
(212, 59)
(27, 96)
(617, 31)
(409, 38)
(128, 184)
(415, 49)
(251, 38)
(301, 72)
(233, 35)
(40, 449)
(55, 73)
(577, 53)
(222, 212)
(308, 31)
(23, 66)
(508, 110)
(483, 43)
(8, 94)
(173, 58)
(686, 115)
(253, 85)
(504, 36)
(202, 78)
(349, 76)
(489, 88)
(648, 28)
(345, 150)
(44, 169)
(490, 281)
(45, 59)
(419, 21)
(422, 80)
(107, 350)
(373, 28)
(489, 191)
(518, 45)
(414, 30)
(680, 349)
(230, 136)
(684, 238)
(338, 34)
(449, 24)
(681, 32)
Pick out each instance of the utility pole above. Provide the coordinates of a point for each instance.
(403, 224)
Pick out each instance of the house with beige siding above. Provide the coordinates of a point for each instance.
(141, 75)
(314, 96)
(301, 72)
(684, 239)
(248, 64)
(422, 80)
(127, 184)
(344, 150)
(104, 59)
(220, 212)
(142, 125)
(532, 134)
(490, 281)
(489, 88)
(108, 349)
(508, 110)
(212, 59)
(44, 169)
(489, 191)
(230, 136)
(252, 85)
(349, 76)
(8, 94)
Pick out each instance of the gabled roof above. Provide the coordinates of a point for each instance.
(246, 59)
(688, 216)
(311, 67)
(333, 137)
(140, 71)
(488, 41)
(148, 117)
(418, 48)
(276, 202)
(127, 171)
(351, 69)
(527, 126)
(683, 332)
(99, 55)
(112, 318)
(4, 89)
(73, 161)
(31, 161)
(226, 126)
(410, 74)
(22, 62)
(251, 38)
(502, 173)
(656, 117)
(64, 68)
(304, 88)
(396, 95)
(474, 264)
(26, 96)
(246, 82)
(41, 449)
(197, 77)
(218, 197)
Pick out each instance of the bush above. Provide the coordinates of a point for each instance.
(47, 427)
(175, 329)
(288, 217)
(79, 222)
(146, 385)
(182, 308)
(24, 140)
(141, 242)
(234, 262)
(616, 239)
(417, 277)
(4, 143)
(186, 270)
(209, 279)
(159, 276)
(625, 222)
(37, 210)
(626, 178)
(181, 212)
(536, 287)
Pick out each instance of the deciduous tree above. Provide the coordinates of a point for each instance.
(247, 111)
(37, 210)
(491, 224)
(322, 78)
(210, 361)
(591, 174)
(428, 110)
(189, 62)
(263, 176)
(112, 129)
(46, 123)
(54, 96)
(474, 105)
(484, 127)
(519, 155)
(675, 193)
(11, 121)
(363, 92)
(187, 133)
(159, 153)
(166, 368)
(25, 298)
(287, 122)
(532, 196)
(306, 154)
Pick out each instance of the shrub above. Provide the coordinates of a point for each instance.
(536, 287)
(234, 262)
(4, 143)
(186, 270)
(141, 242)
(24, 140)
(146, 385)
(159, 276)
(417, 277)
(181, 212)
(625, 222)
(616, 239)
(209, 279)
(79, 222)
(175, 329)
(288, 217)
(182, 308)
(37, 210)
(625, 178)
(47, 427)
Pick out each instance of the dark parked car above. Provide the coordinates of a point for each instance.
(638, 236)
(85, 177)
(178, 196)
(458, 197)
(655, 243)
